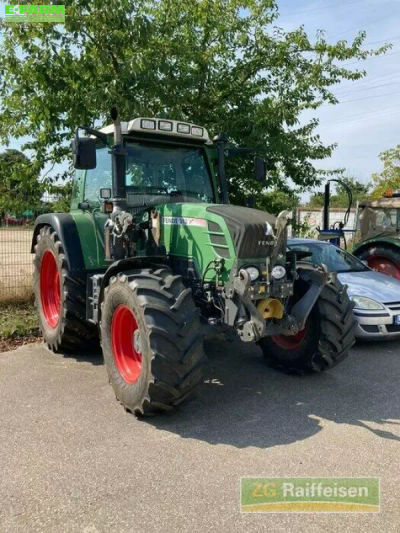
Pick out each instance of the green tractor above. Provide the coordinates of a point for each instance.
(378, 228)
(151, 251)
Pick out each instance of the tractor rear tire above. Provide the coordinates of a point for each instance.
(382, 258)
(152, 340)
(60, 298)
(323, 343)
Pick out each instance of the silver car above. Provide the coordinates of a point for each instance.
(376, 296)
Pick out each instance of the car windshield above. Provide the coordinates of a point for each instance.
(334, 258)
(168, 171)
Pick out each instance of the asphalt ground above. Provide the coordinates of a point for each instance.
(71, 459)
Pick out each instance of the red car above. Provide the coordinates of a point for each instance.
(14, 221)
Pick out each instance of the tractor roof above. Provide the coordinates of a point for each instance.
(382, 202)
(161, 126)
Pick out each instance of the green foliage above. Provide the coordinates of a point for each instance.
(19, 185)
(305, 230)
(358, 190)
(277, 200)
(317, 200)
(389, 177)
(62, 193)
(221, 63)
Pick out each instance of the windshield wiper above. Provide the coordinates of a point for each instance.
(188, 193)
(163, 192)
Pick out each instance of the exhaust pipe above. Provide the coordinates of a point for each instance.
(118, 162)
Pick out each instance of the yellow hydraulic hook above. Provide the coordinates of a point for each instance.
(270, 308)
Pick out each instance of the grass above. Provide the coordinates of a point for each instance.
(18, 324)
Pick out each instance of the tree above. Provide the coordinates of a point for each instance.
(62, 196)
(389, 177)
(221, 63)
(359, 191)
(277, 200)
(316, 200)
(340, 198)
(19, 185)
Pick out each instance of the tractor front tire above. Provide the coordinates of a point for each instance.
(151, 339)
(60, 297)
(323, 343)
(385, 259)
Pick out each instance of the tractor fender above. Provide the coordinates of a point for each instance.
(65, 227)
(375, 242)
(131, 263)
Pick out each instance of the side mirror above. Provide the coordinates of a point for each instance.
(260, 169)
(105, 194)
(84, 150)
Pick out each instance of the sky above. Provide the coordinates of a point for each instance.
(367, 119)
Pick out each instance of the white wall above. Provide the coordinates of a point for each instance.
(314, 218)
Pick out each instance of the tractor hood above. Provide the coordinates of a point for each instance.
(251, 230)
(204, 232)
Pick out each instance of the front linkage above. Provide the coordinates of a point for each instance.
(303, 322)
(261, 323)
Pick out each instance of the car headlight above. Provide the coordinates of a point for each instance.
(278, 272)
(253, 272)
(362, 302)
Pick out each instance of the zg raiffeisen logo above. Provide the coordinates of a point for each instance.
(299, 495)
(34, 13)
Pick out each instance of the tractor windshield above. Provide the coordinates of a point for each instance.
(379, 221)
(168, 171)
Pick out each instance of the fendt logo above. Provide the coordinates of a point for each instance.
(269, 230)
(34, 13)
(266, 243)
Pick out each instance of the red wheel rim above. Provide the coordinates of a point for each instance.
(384, 265)
(290, 342)
(50, 294)
(127, 359)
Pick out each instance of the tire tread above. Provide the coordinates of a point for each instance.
(336, 338)
(175, 339)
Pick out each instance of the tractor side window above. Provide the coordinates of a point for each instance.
(77, 187)
(98, 177)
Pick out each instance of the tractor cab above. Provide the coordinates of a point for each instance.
(380, 217)
(164, 160)
(378, 232)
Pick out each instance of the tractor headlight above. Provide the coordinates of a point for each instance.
(165, 125)
(148, 124)
(183, 128)
(253, 272)
(362, 302)
(278, 272)
(196, 130)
